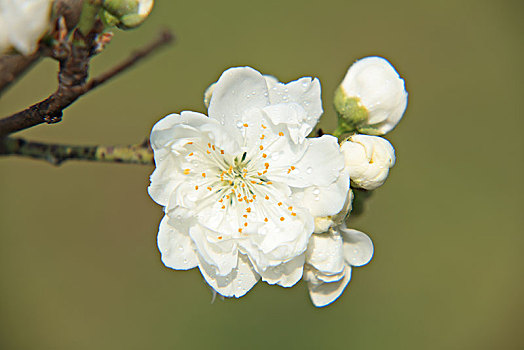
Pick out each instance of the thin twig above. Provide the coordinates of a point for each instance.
(56, 154)
(72, 85)
(165, 38)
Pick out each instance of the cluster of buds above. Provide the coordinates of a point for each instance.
(370, 101)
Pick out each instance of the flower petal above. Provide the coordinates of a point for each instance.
(235, 284)
(358, 247)
(176, 247)
(325, 253)
(221, 255)
(237, 90)
(293, 116)
(323, 294)
(305, 92)
(285, 274)
(320, 165)
(324, 201)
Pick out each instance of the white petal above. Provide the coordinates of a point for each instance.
(324, 294)
(237, 90)
(358, 247)
(236, 284)
(320, 165)
(285, 274)
(325, 201)
(325, 253)
(293, 116)
(221, 255)
(305, 92)
(175, 247)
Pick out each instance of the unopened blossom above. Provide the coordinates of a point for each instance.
(329, 260)
(368, 160)
(126, 14)
(372, 97)
(241, 188)
(23, 23)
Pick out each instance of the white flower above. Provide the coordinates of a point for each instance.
(368, 159)
(377, 87)
(329, 259)
(241, 188)
(22, 24)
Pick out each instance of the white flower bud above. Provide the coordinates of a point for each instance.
(372, 97)
(23, 23)
(368, 159)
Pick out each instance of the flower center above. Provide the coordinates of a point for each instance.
(237, 183)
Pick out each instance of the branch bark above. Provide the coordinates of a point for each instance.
(71, 85)
(56, 154)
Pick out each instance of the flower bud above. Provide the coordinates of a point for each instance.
(368, 159)
(126, 14)
(371, 99)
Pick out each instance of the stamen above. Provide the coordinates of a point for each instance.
(186, 171)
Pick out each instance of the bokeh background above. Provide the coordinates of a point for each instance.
(79, 267)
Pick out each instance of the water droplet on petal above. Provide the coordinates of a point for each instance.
(239, 124)
(316, 191)
(179, 247)
(317, 198)
(305, 84)
(185, 261)
(309, 170)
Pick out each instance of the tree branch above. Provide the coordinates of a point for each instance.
(56, 154)
(72, 84)
(13, 66)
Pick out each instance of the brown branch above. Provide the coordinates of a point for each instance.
(56, 154)
(12, 67)
(72, 83)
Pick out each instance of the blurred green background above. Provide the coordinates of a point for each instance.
(79, 266)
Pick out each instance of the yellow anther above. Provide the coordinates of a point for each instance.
(281, 134)
(281, 218)
(187, 171)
